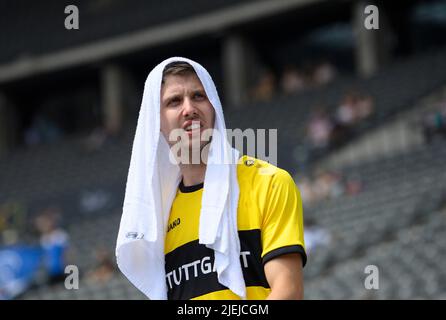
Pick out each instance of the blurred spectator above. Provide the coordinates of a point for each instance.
(54, 241)
(340, 134)
(327, 185)
(265, 88)
(365, 106)
(306, 190)
(319, 129)
(292, 80)
(434, 123)
(91, 201)
(315, 236)
(42, 130)
(346, 113)
(325, 132)
(96, 139)
(353, 186)
(354, 107)
(323, 73)
(104, 269)
(12, 221)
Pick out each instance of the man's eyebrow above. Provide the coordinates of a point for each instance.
(171, 96)
(179, 94)
(199, 90)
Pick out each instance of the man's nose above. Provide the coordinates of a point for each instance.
(189, 109)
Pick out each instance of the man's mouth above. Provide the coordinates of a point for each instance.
(193, 125)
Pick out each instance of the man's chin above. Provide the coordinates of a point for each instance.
(193, 154)
(195, 145)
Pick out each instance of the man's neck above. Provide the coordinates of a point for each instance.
(193, 174)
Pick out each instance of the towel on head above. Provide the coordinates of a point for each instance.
(152, 184)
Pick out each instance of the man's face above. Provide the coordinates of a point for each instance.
(185, 105)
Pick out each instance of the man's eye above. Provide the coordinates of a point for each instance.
(199, 96)
(173, 102)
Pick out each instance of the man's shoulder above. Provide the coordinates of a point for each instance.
(260, 171)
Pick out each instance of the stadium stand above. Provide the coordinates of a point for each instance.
(391, 214)
(394, 89)
(98, 22)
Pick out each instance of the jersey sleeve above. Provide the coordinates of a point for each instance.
(282, 225)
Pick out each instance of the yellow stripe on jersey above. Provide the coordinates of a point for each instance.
(254, 293)
(270, 223)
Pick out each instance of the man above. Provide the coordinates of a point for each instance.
(267, 208)
(54, 242)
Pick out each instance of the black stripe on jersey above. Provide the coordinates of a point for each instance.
(285, 250)
(189, 189)
(190, 268)
(250, 241)
(189, 272)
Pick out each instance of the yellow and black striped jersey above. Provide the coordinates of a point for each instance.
(270, 224)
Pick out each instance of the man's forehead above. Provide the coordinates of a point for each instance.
(177, 83)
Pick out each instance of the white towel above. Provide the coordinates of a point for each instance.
(151, 188)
